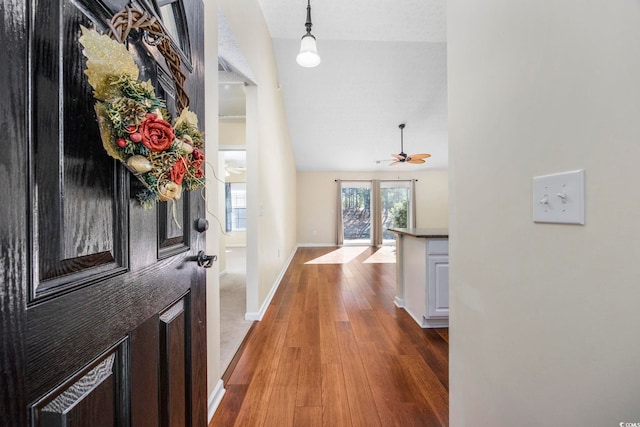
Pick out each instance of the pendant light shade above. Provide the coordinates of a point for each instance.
(308, 56)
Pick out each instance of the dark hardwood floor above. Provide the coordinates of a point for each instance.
(333, 350)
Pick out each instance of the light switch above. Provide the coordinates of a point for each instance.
(559, 198)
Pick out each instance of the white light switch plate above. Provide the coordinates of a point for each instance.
(559, 198)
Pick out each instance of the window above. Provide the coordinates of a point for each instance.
(175, 23)
(236, 206)
(370, 208)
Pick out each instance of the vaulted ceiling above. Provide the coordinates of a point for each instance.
(383, 63)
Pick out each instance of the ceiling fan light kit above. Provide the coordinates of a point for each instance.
(308, 56)
(403, 157)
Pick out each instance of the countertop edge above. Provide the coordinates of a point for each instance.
(424, 233)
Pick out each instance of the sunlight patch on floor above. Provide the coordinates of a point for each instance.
(343, 255)
(384, 255)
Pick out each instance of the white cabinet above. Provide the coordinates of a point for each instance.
(438, 284)
(437, 301)
(424, 291)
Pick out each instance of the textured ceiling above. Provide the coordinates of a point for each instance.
(344, 114)
(383, 63)
(379, 20)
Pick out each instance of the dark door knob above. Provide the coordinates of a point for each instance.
(202, 225)
(205, 260)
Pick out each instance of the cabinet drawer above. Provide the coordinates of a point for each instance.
(438, 247)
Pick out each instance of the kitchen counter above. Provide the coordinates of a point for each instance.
(422, 274)
(422, 232)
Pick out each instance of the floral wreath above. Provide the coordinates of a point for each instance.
(133, 124)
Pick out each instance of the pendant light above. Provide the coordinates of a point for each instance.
(308, 56)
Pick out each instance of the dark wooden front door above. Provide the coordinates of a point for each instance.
(102, 304)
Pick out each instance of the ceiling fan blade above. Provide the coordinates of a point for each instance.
(399, 156)
(420, 156)
(415, 161)
(395, 162)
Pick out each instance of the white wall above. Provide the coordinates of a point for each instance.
(317, 201)
(271, 173)
(232, 133)
(275, 229)
(211, 149)
(218, 223)
(236, 239)
(545, 319)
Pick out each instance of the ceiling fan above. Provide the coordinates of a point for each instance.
(404, 157)
(234, 169)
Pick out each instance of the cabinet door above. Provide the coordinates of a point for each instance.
(438, 300)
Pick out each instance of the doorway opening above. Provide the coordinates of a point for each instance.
(233, 278)
(236, 126)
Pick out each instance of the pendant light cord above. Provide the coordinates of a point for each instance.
(308, 24)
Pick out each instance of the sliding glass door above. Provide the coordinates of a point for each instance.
(356, 212)
(370, 208)
(396, 209)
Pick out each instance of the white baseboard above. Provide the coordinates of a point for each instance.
(399, 302)
(214, 399)
(257, 316)
(235, 246)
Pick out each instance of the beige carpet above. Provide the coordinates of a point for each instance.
(233, 305)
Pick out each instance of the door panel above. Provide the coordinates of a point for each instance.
(102, 302)
(438, 285)
(93, 397)
(145, 365)
(172, 222)
(173, 363)
(79, 201)
(13, 210)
